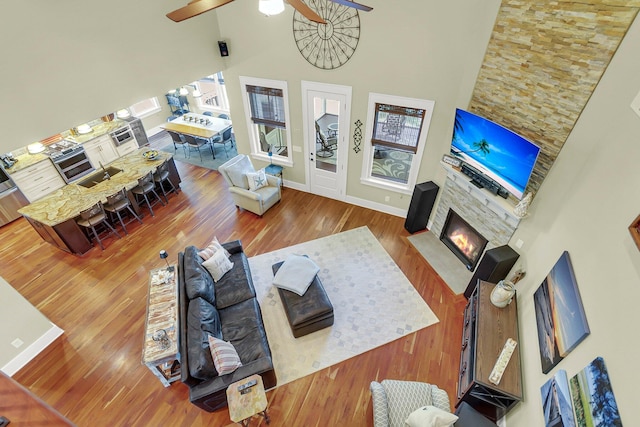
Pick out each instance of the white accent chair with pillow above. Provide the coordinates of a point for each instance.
(395, 401)
(251, 190)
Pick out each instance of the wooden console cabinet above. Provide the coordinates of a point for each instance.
(485, 331)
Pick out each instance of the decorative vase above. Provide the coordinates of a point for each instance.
(522, 208)
(503, 293)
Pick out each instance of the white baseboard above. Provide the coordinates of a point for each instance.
(32, 351)
(380, 207)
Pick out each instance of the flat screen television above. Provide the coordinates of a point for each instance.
(500, 154)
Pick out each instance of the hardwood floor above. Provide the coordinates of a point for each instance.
(93, 374)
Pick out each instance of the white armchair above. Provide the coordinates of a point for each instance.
(238, 172)
(394, 400)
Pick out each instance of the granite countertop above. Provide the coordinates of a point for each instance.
(26, 160)
(98, 129)
(67, 202)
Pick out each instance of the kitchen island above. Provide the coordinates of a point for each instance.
(53, 216)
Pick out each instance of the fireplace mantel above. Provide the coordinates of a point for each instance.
(501, 207)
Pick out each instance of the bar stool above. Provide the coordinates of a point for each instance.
(90, 218)
(145, 186)
(119, 202)
(161, 176)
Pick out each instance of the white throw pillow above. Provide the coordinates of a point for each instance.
(430, 416)
(224, 355)
(213, 247)
(257, 179)
(296, 274)
(218, 265)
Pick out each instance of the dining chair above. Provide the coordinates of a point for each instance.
(119, 202)
(196, 143)
(93, 217)
(223, 139)
(177, 140)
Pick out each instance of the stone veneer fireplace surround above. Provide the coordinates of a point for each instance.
(490, 215)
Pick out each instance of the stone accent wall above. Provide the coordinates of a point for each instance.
(542, 63)
(495, 226)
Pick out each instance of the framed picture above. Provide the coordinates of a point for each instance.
(560, 316)
(592, 395)
(556, 402)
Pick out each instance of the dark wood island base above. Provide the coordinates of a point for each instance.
(62, 231)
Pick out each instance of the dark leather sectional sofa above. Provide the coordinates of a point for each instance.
(227, 309)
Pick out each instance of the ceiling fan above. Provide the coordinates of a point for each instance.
(196, 7)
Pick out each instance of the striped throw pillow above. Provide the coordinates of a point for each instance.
(224, 355)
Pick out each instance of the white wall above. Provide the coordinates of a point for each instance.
(64, 63)
(21, 323)
(419, 49)
(584, 206)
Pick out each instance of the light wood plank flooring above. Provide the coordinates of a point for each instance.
(93, 374)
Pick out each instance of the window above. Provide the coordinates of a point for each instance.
(267, 112)
(145, 107)
(213, 93)
(396, 133)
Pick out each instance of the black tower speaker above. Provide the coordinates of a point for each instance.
(424, 196)
(223, 48)
(494, 266)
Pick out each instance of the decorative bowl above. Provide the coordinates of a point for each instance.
(150, 154)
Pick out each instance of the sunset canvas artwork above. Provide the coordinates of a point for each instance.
(561, 321)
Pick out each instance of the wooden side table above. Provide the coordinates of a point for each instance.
(160, 350)
(244, 405)
(275, 170)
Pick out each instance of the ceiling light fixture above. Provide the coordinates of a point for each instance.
(271, 7)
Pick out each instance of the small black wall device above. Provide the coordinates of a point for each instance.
(223, 48)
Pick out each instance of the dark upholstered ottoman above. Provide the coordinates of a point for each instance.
(308, 313)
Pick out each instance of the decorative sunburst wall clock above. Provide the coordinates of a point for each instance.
(327, 46)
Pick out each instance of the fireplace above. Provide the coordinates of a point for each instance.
(463, 240)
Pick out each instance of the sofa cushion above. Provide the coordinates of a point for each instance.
(237, 285)
(198, 282)
(237, 172)
(430, 416)
(203, 320)
(218, 265)
(242, 326)
(224, 355)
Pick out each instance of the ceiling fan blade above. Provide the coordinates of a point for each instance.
(306, 11)
(194, 8)
(353, 4)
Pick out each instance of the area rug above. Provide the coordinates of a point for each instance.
(374, 303)
(163, 139)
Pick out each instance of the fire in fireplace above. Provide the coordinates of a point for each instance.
(463, 240)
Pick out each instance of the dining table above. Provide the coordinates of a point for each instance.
(198, 125)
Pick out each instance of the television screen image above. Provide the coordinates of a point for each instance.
(494, 150)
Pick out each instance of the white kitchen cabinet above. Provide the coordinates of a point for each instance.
(100, 150)
(127, 148)
(38, 180)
